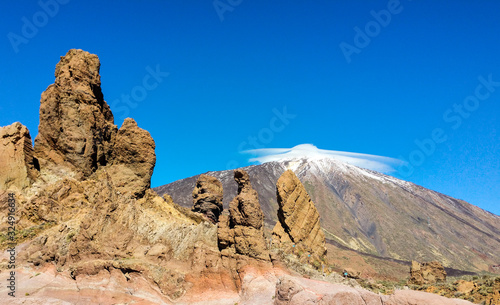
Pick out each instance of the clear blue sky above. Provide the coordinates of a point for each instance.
(232, 68)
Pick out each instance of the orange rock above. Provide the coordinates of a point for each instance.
(76, 125)
(132, 159)
(466, 287)
(207, 197)
(298, 225)
(18, 167)
(243, 231)
(426, 273)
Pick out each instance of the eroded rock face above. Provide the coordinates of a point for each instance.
(90, 210)
(77, 135)
(207, 197)
(76, 124)
(426, 273)
(133, 159)
(298, 223)
(18, 167)
(88, 226)
(243, 231)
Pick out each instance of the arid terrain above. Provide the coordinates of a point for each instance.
(80, 224)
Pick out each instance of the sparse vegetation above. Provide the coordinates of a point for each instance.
(24, 234)
(483, 289)
(477, 289)
(70, 236)
(310, 188)
(382, 286)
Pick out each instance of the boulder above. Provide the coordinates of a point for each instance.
(207, 197)
(18, 167)
(466, 287)
(426, 273)
(298, 227)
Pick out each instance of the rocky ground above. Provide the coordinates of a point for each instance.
(45, 285)
(477, 289)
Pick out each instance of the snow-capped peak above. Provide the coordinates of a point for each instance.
(312, 153)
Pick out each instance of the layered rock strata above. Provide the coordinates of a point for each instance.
(18, 167)
(298, 228)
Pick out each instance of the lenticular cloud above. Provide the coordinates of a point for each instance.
(309, 151)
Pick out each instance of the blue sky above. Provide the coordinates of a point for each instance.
(371, 77)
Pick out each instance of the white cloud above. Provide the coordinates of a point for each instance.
(373, 162)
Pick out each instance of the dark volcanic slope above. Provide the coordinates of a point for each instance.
(374, 213)
(263, 178)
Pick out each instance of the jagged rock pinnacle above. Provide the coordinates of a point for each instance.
(243, 231)
(76, 125)
(207, 197)
(298, 220)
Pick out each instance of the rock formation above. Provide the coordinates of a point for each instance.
(89, 229)
(90, 211)
(76, 125)
(356, 205)
(243, 231)
(207, 197)
(132, 159)
(77, 135)
(18, 167)
(426, 273)
(298, 223)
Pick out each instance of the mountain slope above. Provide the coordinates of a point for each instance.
(374, 213)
